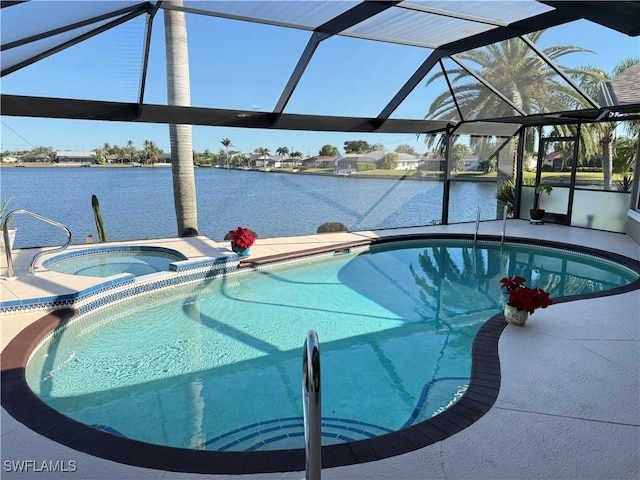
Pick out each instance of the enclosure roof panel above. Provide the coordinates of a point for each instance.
(421, 90)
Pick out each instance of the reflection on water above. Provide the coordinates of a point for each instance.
(455, 279)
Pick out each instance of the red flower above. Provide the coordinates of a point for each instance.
(242, 238)
(523, 297)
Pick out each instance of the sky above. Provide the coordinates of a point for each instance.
(247, 71)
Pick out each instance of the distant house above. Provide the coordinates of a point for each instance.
(286, 161)
(554, 160)
(38, 158)
(163, 160)
(257, 160)
(430, 162)
(347, 163)
(407, 161)
(75, 158)
(319, 161)
(8, 159)
(471, 162)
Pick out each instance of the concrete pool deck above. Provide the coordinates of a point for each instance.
(568, 406)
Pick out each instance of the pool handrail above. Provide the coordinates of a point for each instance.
(311, 401)
(7, 248)
(505, 212)
(475, 233)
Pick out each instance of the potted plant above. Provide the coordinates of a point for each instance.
(522, 300)
(4, 211)
(536, 213)
(241, 240)
(506, 195)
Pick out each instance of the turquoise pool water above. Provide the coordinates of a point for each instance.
(98, 263)
(217, 365)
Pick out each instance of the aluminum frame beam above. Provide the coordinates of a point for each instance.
(519, 28)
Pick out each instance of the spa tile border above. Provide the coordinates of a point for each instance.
(169, 252)
(484, 386)
(158, 281)
(67, 300)
(125, 285)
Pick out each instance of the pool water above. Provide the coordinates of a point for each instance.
(217, 365)
(114, 262)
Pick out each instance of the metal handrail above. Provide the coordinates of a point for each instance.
(311, 400)
(504, 224)
(7, 249)
(475, 234)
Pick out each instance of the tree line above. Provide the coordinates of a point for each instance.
(227, 156)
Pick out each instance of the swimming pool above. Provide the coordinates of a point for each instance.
(387, 337)
(108, 261)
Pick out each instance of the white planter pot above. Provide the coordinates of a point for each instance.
(514, 316)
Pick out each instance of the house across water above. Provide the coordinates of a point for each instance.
(76, 159)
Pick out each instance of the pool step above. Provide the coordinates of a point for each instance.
(288, 433)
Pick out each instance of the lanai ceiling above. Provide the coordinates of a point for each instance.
(422, 42)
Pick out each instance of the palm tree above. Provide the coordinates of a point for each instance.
(528, 84)
(178, 93)
(264, 154)
(107, 150)
(296, 154)
(510, 66)
(151, 152)
(118, 152)
(472, 276)
(605, 132)
(99, 155)
(227, 143)
(130, 151)
(208, 156)
(282, 151)
(329, 151)
(459, 151)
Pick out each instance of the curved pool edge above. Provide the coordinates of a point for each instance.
(22, 404)
(26, 407)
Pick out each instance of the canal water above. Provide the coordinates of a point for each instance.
(137, 203)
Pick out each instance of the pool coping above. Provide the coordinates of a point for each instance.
(480, 396)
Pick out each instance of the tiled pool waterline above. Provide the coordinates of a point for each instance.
(102, 261)
(563, 404)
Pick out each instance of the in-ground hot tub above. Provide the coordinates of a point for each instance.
(107, 261)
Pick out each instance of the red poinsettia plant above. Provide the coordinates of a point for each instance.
(523, 297)
(242, 238)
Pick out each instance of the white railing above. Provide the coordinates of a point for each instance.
(7, 248)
